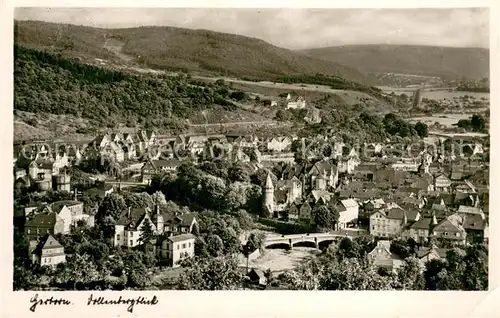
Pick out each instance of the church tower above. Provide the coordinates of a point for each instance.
(268, 199)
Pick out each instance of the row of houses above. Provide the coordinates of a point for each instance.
(382, 257)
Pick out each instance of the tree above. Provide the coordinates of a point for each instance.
(214, 244)
(477, 123)
(283, 115)
(113, 205)
(464, 123)
(239, 172)
(159, 199)
(25, 277)
(135, 270)
(78, 270)
(147, 232)
(401, 248)
(323, 217)
(409, 275)
(213, 273)
(422, 129)
(236, 196)
(244, 219)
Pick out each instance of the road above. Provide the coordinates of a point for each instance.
(238, 123)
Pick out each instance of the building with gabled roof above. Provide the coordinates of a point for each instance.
(129, 226)
(48, 251)
(177, 248)
(450, 229)
(44, 223)
(381, 256)
(427, 254)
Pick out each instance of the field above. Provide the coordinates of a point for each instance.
(436, 94)
(444, 119)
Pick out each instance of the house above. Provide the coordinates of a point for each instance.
(174, 224)
(48, 252)
(129, 226)
(101, 141)
(406, 166)
(43, 223)
(347, 165)
(381, 256)
(450, 229)
(41, 169)
(349, 212)
(178, 247)
(114, 151)
(466, 199)
(278, 144)
(469, 210)
(390, 221)
(476, 228)
(442, 184)
(427, 254)
(327, 170)
(293, 211)
(420, 230)
(72, 212)
(298, 103)
(365, 172)
(313, 116)
(196, 144)
(292, 187)
(465, 187)
(305, 211)
(152, 167)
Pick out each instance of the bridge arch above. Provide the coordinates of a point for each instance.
(325, 243)
(304, 243)
(278, 245)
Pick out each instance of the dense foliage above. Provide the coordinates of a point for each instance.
(475, 123)
(45, 82)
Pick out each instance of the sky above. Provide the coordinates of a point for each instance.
(296, 28)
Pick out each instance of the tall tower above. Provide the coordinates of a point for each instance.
(268, 199)
(417, 98)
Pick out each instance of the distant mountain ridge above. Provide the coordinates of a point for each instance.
(173, 49)
(445, 62)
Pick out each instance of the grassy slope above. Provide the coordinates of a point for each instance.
(179, 49)
(447, 62)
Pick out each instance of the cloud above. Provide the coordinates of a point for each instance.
(296, 28)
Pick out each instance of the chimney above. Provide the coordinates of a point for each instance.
(128, 214)
(76, 194)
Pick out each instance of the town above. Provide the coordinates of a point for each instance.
(222, 162)
(134, 201)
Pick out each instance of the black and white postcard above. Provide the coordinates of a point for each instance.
(250, 151)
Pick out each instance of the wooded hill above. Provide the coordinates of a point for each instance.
(446, 62)
(178, 49)
(48, 83)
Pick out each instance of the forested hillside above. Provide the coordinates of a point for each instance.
(444, 62)
(49, 83)
(178, 49)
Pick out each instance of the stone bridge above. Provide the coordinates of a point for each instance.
(310, 238)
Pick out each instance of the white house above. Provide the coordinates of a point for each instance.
(278, 143)
(299, 103)
(178, 247)
(349, 211)
(128, 229)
